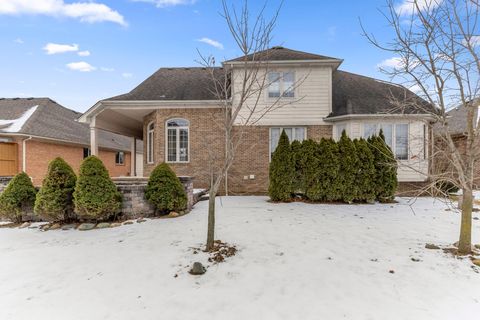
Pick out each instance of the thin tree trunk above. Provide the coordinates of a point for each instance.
(465, 242)
(211, 220)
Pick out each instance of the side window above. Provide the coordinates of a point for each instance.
(178, 142)
(293, 133)
(150, 142)
(120, 158)
(86, 152)
(401, 141)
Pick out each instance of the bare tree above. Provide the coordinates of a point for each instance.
(436, 49)
(240, 89)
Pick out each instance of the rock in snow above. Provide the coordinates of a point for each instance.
(197, 269)
(86, 226)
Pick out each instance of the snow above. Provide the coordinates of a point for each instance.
(295, 261)
(15, 125)
(197, 191)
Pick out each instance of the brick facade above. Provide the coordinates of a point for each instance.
(40, 153)
(249, 172)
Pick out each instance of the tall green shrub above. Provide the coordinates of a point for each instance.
(55, 199)
(348, 161)
(329, 159)
(385, 168)
(365, 175)
(96, 196)
(281, 171)
(298, 159)
(165, 191)
(18, 197)
(311, 165)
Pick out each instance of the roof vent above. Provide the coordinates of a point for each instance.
(277, 48)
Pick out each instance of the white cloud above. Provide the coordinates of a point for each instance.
(211, 42)
(107, 69)
(474, 41)
(127, 75)
(167, 3)
(408, 7)
(81, 66)
(55, 48)
(85, 53)
(84, 11)
(394, 62)
(19, 41)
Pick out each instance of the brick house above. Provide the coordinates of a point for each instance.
(175, 112)
(33, 131)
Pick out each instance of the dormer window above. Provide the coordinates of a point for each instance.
(281, 84)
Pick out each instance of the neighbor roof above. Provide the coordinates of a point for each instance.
(457, 119)
(281, 54)
(357, 94)
(43, 117)
(176, 84)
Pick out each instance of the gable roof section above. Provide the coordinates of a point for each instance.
(281, 54)
(354, 94)
(175, 84)
(53, 121)
(457, 119)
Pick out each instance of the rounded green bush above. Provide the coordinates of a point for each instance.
(54, 201)
(282, 171)
(18, 197)
(165, 191)
(96, 196)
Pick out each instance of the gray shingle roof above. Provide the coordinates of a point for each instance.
(356, 94)
(281, 54)
(457, 119)
(51, 120)
(176, 84)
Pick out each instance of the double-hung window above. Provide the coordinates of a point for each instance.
(293, 133)
(281, 84)
(177, 140)
(396, 136)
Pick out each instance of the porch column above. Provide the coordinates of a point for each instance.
(93, 141)
(133, 157)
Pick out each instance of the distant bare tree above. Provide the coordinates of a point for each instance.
(242, 107)
(436, 50)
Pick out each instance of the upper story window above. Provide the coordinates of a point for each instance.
(177, 140)
(396, 136)
(120, 158)
(281, 84)
(150, 141)
(293, 133)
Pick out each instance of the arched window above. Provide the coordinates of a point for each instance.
(150, 141)
(177, 144)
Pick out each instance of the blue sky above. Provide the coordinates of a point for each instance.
(127, 40)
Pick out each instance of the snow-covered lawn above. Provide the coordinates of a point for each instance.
(295, 261)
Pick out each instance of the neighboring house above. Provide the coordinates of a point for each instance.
(457, 124)
(175, 112)
(33, 131)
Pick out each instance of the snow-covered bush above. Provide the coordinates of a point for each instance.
(165, 191)
(281, 171)
(385, 180)
(55, 199)
(17, 198)
(96, 196)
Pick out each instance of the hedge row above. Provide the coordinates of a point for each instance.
(91, 197)
(348, 170)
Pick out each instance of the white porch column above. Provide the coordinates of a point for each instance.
(93, 138)
(133, 157)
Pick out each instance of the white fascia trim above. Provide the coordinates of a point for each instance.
(319, 62)
(422, 116)
(149, 105)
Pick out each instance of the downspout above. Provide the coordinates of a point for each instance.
(24, 153)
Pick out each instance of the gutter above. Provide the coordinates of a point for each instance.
(24, 153)
(378, 116)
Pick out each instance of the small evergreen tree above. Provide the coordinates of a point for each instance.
(55, 199)
(385, 168)
(365, 176)
(281, 171)
(348, 161)
(96, 196)
(298, 157)
(311, 167)
(18, 197)
(329, 159)
(165, 191)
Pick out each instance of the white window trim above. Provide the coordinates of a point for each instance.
(305, 135)
(178, 140)
(150, 154)
(394, 135)
(281, 85)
